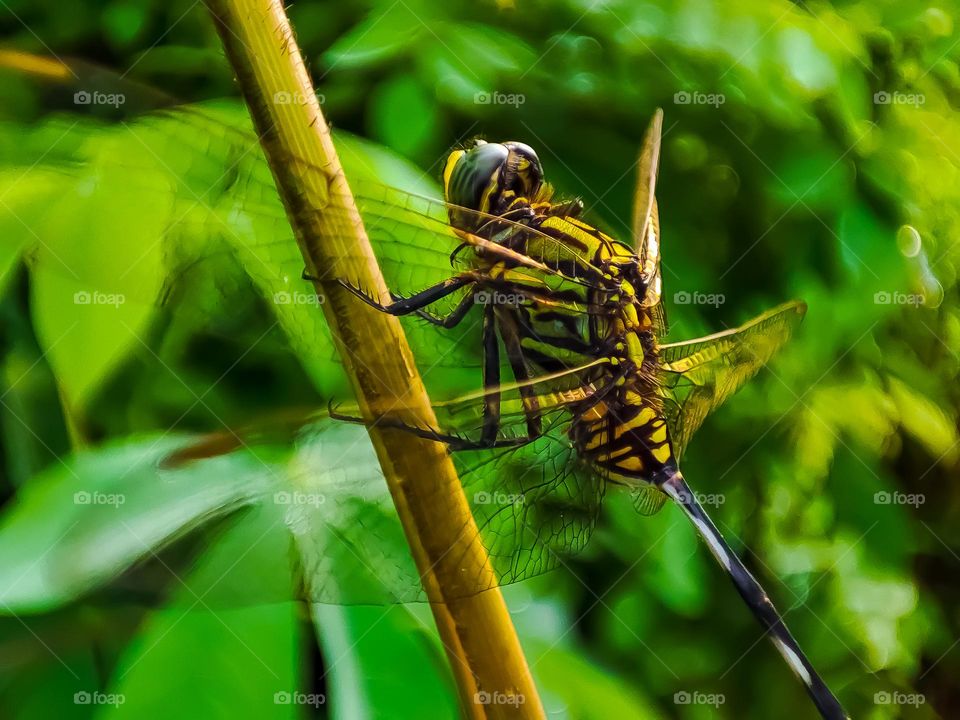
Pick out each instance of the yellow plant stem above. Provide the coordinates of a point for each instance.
(475, 628)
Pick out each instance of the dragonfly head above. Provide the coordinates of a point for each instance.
(489, 177)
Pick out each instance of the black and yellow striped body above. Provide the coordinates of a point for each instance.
(592, 315)
(562, 323)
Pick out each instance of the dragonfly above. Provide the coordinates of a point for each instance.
(602, 403)
(631, 404)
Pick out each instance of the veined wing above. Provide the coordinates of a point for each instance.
(239, 188)
(545, 396)
(461, 420)
(646, 220)
(324, 523)
(535, 505)
(218, 185)
(698, 375)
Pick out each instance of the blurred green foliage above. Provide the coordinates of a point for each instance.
(810, 151)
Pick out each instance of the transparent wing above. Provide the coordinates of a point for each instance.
(177, 209)
(267, 523)
(212, 158)
(698, 375)
(211, 177)
(534, 508)
(538, 398)
(534, 504)
(646, 220)
(648, 500)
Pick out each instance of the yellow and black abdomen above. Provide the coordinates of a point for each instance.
(625, 435)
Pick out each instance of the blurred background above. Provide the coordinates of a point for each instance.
(810, 151)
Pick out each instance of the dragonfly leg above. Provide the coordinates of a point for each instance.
(511, 342)
(418, 301)
(454, 442)
(454, 317)
(456, 251)
(491, 377)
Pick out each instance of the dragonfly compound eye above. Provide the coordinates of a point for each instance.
(523, 172)
(488, 178)
(471, 179)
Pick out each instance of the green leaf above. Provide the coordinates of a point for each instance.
(26, 199)
(926, 422)
(83, 292)
(378, 39)
(385, 658)
(227, 664)
(572, 686)
(405, 115)
(185, 201)
(85, 520)
(318, 515)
